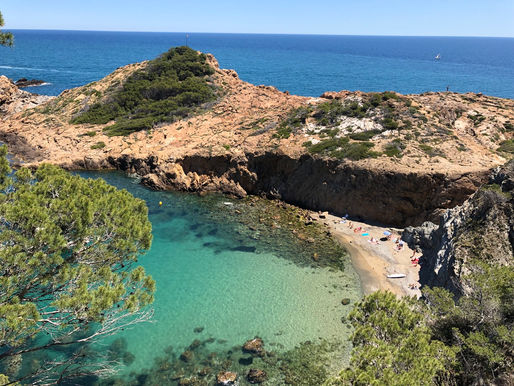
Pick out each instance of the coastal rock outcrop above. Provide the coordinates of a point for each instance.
(14, 100)
(24, 82)
(482, 228)
(430, 151)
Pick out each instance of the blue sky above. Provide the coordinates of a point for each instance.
(345, 17)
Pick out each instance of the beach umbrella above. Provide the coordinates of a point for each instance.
(387, 233)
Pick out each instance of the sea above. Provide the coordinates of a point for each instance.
(301, 64)
(222, 277)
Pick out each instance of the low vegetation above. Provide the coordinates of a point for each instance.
(98, 145)
(171, 87)
(296, 119)
(507, 146)
(341, 148)
(438, 341)
(394, 148)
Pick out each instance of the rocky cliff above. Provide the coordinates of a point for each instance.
(13, 100)
(310, 182)
(481, 228)
(385, 157)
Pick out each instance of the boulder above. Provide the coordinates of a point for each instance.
(226, 378)
(187, 356)
(254, 346)
(24, 82)
(256, 376)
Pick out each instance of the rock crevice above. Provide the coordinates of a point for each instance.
(482, 228)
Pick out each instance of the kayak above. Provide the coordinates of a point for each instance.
(396, 275)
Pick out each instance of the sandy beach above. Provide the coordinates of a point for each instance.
(373, 262)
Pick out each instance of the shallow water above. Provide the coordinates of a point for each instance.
(232, 284)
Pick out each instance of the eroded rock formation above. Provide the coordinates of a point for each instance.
(13, 100)
(481, 228)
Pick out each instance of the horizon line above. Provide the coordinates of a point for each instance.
(259, 33)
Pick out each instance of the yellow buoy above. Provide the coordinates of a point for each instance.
(160, 203)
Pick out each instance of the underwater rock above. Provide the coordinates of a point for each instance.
(256, 376)
(128, 358)
(254, 346)
(205, 371)
(188, 381)
(345, 301)
(245, 361)
(226, 378)
(187, 356)
(198, 330)
(193, 346)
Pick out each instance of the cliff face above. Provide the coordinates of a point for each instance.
(482, 228)
(387, 197)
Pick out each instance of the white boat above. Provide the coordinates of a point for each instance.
(438, 56)
(396, 275)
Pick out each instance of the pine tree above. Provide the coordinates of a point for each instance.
(6, 38)
(68, 248)
(392, 345)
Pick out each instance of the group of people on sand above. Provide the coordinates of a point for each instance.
(398, 242)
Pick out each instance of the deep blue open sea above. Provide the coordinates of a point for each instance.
(302, 64)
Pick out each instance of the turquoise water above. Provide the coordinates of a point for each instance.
(216, 274)
(302, 64)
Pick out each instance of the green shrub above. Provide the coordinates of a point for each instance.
(341, 148)
(375, 100)
(395, 148)
(477, 118)
(294, 120)
(98, 145)
(507, 146)
(364, 135)
(508, 126)
(389, 123)
(386, 95)
(170, 87)
(329, 113)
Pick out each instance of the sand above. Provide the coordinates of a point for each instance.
(373, 262)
